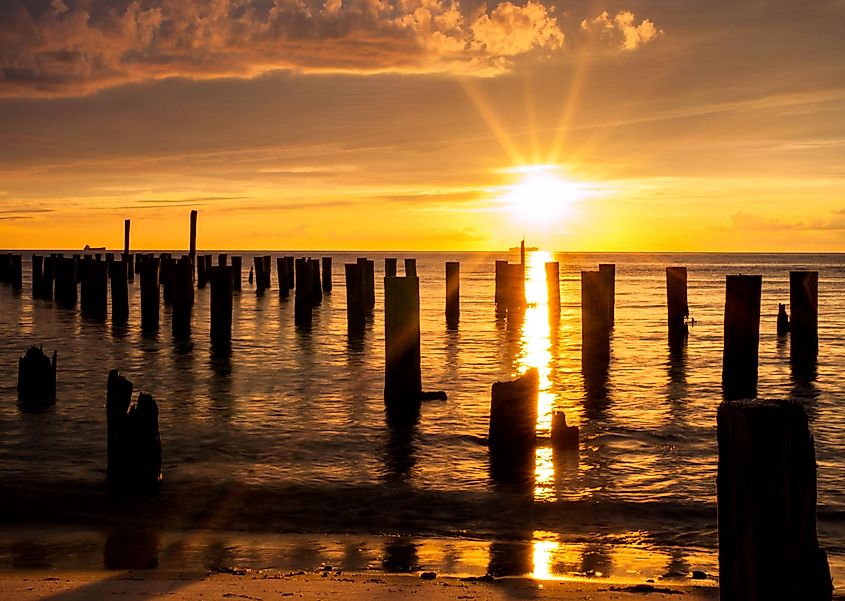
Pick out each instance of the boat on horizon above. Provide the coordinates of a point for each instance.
(96, 248)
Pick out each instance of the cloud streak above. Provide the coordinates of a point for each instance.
(74, 48)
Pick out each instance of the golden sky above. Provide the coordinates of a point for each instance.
(420, 124)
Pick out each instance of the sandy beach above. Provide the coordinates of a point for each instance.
(264, 585)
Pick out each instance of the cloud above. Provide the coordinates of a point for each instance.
(622, 30)
(75, 48)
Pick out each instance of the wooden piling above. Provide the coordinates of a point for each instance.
(368, 273)
(94, 300)
(766, 490)
(564, 437)
(390, 267)
(222, 260)
(127, 225)
(553, 285)
(512, 434)
(17, 272)
(453, 294)
(202, 276)
(411, 268)
(119, 293)
(37, 378)
(303, 305)
(183, 298)
(282, 271)
(66, 291)
(356, 313)
(221, 306)
(37, 274)
(595, 320)
(316, 285)
(676, 302)
(150, 294)
(403, 373)
(783, 320)
(258, 262)
(327, 274)
(742, 336)
(48, 276)
(237, 265)
(499, 295)
(608, 271)
(193, 244)
(5, 267)
(804, 305)
(166, 277)
(133, 439)
(291, 272)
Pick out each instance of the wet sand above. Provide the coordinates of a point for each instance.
(263, 585)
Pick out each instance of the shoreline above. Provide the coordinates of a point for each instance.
(260, 585)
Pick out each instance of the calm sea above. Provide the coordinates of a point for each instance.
(288, 434)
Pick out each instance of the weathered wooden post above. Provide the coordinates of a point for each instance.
(221, 306)
(291, 272)
(368, 273)
(356, 314)
(133, 442)
(512, 435)
(499, 296)
(138, 258)
(553, 285)
(95, 290)
(327, 274)
(804, 305)
(127, 258)
(66, 291)
(403, 373)
(183, 297)
(202, 276)
(742, 336)
(316, 286)
(237, 265)
(564, 437)
(783, 320)
(37, 275)
(390, 268)
(119, 293)
(193, 245)
(595, 325)
(515, 288)
(411, 268)
(766, 488)
(453, 294)
(259, 270)
(149, 294)
(166, 277)
(676, 303)
(268, 271)
(222, 260)
(17, 272)
(37, 378)
(282, 269)
(608, 271)
(302, 303)
(5, 267)
(48, 276)
(109, 257)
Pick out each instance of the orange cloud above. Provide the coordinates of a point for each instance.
(77, 49)
(622, 30)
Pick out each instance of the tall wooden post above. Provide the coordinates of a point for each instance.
(282, 269)
(222, 260)
(95, 290)
(302, 303)
(512, 435)
(258, 262)
(676, 302)
(166, 277)
(127, 257)
(804, 305)
(327, 274)
(453, 294)
(127, 225)
(766, 489)
(411, 268)
(149, 294)
(356, 314)
(291, 272)
(221, 306)
(119, 293)
(17, 272)
(553, 285)
(742, 336)
(403, 374)
(237, 266)
(193, 247)
(183, 297)
(316, 286)
(202, 274)
(66, 291)
(608, 271)
(48, 276)
(390, 267)
(595, 321)
(37, 275)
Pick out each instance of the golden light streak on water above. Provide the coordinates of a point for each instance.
(542, 553)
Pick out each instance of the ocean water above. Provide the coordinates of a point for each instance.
(287, 435)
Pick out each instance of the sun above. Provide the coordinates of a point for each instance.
(542, 193)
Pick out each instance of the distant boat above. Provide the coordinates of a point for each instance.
(516, 249)
(94, 247)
